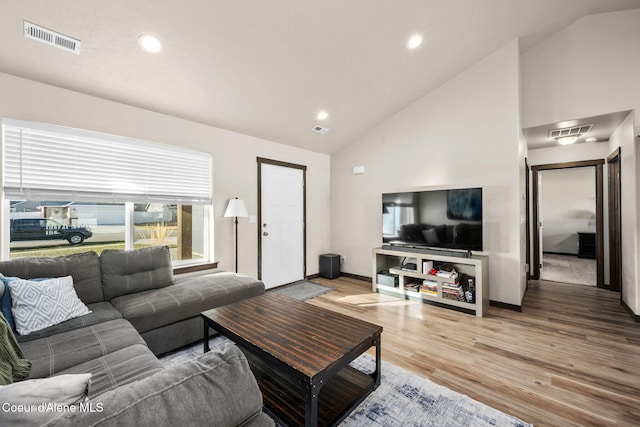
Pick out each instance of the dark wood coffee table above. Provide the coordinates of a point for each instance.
(299, 355)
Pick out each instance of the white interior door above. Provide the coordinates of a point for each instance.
(282, 225)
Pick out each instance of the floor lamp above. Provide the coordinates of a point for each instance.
(235, 209)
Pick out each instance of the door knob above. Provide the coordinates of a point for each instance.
(265, 234)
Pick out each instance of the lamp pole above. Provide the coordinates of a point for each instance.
(236, 208)
(236, 222)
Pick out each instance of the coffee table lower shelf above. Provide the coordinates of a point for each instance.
(284, 398)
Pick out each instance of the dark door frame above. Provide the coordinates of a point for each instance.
(615, 222)
(261, 161)
(598, 163)
(527, 190)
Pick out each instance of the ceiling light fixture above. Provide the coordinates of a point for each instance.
(591, 139)
(149, 43)
(322, 115)
(414, 42)
(567, 140)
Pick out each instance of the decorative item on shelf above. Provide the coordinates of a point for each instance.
(427, 266)
(470, 293)
(236, 208)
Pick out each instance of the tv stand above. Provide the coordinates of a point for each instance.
(390, 260)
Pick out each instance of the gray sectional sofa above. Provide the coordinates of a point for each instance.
(139, 310)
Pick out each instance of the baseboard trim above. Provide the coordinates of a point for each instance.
(560, 253)
(342, 273)
(356, 276)
(501, 304)
(631, 313)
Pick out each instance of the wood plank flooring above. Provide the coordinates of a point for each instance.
(570, 358)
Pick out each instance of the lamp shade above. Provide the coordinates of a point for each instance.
(235, 208)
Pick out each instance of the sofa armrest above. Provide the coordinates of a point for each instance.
(217, 388)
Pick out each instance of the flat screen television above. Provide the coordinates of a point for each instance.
(448, 219)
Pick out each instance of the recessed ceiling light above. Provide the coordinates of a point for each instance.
(149, 43)
(322, 115)
(567, 140)
(414, 42)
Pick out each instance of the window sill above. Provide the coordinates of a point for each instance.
(194, 268)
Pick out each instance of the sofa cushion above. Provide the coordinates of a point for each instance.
(83, 267)
(118, 368)
(153, 309)
(177, 396)
(127, 272)
(54, 354)
(59, 390)
(37, 305)
(100, 312)
(63, 389)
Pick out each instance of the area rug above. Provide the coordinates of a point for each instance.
(403, 398)
(303, 290)
(569, 269)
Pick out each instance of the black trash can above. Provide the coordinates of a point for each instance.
(329, 266)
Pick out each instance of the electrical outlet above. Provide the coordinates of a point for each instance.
(344, 258)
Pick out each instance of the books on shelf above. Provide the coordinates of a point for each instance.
(413, 287)
(453, 291)
(429, 287)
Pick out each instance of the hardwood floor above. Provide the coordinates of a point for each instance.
(570, 358)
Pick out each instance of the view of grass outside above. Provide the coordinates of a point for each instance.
(63, 250)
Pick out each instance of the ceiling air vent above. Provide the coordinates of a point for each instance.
(576, 130)
(44, 35)
(320, 129)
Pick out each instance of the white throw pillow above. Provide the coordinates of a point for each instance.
(38, 305)
(35, 402)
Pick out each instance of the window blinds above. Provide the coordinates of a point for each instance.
(47, 162)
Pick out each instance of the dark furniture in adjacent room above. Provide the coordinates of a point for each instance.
(587, 245)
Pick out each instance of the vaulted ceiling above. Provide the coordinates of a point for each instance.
(267, 67)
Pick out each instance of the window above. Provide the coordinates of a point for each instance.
(67, 191)
(394, 218)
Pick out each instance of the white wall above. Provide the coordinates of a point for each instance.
(569, 153)
(590, 68)
(463, 134)
(234, 159)
(629, 217)
(567, 207)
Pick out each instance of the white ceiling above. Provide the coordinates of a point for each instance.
(603, 128)
(266, 67)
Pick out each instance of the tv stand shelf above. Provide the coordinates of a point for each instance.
(391, 260)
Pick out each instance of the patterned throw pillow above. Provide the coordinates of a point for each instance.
(5, 301)
(38, 305)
